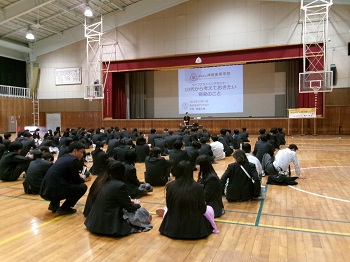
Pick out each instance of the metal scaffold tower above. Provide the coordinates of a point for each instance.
(98, 55)
(93, 34)
(315, 77)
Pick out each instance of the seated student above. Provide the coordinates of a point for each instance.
(262, 147)
(63, 181)
(109, 209)
(273, 140)
(177, 155)
(12, 164)
(224, 140)
(112, 143)
(28, 143)
(36, 171)
(211, 182)
(64, 149)
(244, 135)
(185, 207)
(206, 149)
(157, 168)
(217, 148)
(7, 139)
(99, 158)
(281, 136)
(161, 143)
(282, 161)
(235, 140)
(247, 148)
(151, 136)
(121, 149)
(235, 181)
(141, 149)
(3, 148)
(193, 151)
(135, 188)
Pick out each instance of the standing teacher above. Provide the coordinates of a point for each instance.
(187, 119)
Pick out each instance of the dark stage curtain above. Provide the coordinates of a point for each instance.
(119, 96)
(12, 72)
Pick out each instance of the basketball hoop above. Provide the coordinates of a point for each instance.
(315, 89)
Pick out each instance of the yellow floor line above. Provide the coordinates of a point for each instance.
(5, 241)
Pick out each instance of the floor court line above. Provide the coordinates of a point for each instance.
(5, 241)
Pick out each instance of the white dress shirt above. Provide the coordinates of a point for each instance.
(284, 157)
(218, 150)
(256, 162)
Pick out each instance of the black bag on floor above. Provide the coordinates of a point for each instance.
(281, 180)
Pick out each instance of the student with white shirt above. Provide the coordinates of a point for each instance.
(282, 161)
(217, 148)
(252, 159)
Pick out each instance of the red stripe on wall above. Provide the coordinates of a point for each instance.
(228, 57)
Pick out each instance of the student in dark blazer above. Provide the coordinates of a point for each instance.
(62, 181)
(240, 187)
(141, 149)
(106, 202)
(262, 147)
(99, 158)
(157, 168)
(212, 184)
(28, 143)
(177, 155)
(36, 171)
(185, 201)
(135, 188)
(12, 164)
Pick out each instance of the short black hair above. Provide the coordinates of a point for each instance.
(214, 138)
(178, 144)
(246, 148)
(293, 146)
(14, 146)
(76, 145)
(130, 156)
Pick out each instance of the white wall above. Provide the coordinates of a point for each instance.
(201, 26)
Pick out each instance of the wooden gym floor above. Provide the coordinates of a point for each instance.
(307, 222)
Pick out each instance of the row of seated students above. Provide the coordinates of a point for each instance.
(178, 158)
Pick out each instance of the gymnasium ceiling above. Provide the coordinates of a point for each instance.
(57, 23)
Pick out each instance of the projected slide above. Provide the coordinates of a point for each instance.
(211, 90)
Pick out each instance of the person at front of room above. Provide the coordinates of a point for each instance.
(187, 119)
(63, 181)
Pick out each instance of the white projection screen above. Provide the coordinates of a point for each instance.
(212, 90)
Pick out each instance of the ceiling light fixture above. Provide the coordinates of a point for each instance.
(88, 11)
(30, 35)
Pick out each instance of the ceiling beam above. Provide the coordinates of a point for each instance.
(336, 2)
(20, 8)
(113, 20)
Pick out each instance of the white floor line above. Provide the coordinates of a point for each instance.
(314, 194)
